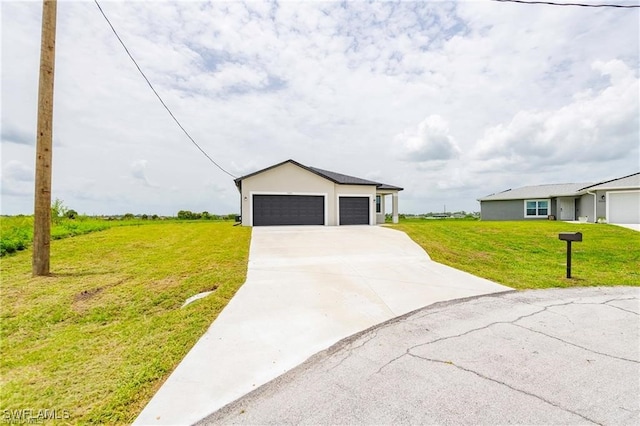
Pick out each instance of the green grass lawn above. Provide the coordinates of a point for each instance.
(100, 336)
(527, 255)
(16, 232)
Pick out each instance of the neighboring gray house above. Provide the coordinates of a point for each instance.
(616, 201)
(290, 193)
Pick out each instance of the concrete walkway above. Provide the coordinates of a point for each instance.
(559, 356)
(306, 289)
(632, 226)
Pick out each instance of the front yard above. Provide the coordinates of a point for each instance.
(99, 337)
(527, 255)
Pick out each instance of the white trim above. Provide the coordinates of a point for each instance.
(630, 188)
(548, 200)
(372, 209)
(607, 203)
(315, 194)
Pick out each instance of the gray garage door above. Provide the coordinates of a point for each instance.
(354, 210)
(288, 210)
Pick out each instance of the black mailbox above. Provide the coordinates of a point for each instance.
(570, 236)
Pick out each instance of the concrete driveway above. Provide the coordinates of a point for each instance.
(559, 356)
(306, 289)
(632, 226)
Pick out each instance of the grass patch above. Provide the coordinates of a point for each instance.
(100, 335)
(16, 232)
(528, 255)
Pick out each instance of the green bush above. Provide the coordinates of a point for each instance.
(17, 231)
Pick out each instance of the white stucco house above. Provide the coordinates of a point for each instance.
(290, 193)
(614, 201)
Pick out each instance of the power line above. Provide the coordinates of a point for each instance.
(550, 3)
(156, 93)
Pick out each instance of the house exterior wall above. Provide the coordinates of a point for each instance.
(601, 204)
(502, 210)
(380, 217)
(586, 208)
(289, 179)
(512, 210)
(554, 208)
(587, 204)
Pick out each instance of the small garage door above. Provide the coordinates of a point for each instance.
(288, 210)
(354, 210)
(624, 207)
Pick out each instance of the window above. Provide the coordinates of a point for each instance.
(378, 204)
(536, 208)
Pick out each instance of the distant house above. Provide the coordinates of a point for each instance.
(290, 193)
(616, 201)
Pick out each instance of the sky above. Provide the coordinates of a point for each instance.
(450, 100)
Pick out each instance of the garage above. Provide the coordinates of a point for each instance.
(290, 193)
(354, 210)
(272, 210)
(623, 207)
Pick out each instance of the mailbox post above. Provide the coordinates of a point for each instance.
(569, 237)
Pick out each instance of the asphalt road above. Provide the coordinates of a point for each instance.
(559, 356)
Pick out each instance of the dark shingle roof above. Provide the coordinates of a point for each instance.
(338, 178)
(342, 179)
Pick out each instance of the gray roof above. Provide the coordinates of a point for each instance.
(338, 178)
(626, 182)
(537, 191)
(564, 189)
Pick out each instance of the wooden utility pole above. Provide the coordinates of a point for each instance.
(44, 145)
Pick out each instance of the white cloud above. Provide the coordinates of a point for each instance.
(16, 171)
(594, 127)
(17, 179)
(430, 141)
(17, 135)
(138, 172)
(329, 84)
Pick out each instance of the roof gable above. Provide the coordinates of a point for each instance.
(334, 177)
